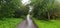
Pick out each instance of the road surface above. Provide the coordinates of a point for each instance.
(24, 24)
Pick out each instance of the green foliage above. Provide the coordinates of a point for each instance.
(43, 7)
(46, 24)
(25, 9)
(10, 22)
(22, 11)
(8, 7)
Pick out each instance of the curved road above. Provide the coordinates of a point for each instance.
(28, 23)
(24, 24)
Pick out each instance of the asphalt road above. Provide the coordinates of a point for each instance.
(25, 24)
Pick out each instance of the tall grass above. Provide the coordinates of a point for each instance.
(10, 22)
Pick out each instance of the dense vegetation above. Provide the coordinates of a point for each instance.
(10, 22)
(12, 8)
(46, 9)
(42, 10)
(10, 11)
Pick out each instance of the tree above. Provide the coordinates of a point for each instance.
(44, 8)
(8, 7)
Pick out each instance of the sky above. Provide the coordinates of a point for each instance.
(58, 0)
(26, 2)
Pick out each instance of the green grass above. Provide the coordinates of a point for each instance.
(10, 22)
(47, 24)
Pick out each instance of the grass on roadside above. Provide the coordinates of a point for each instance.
(47, 24)
(10, 22)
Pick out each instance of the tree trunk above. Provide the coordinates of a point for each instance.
(48, 16)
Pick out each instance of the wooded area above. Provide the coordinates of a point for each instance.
(48, 9)
(42, 9)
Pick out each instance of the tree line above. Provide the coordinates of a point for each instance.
(46, 9)
(42, 9)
